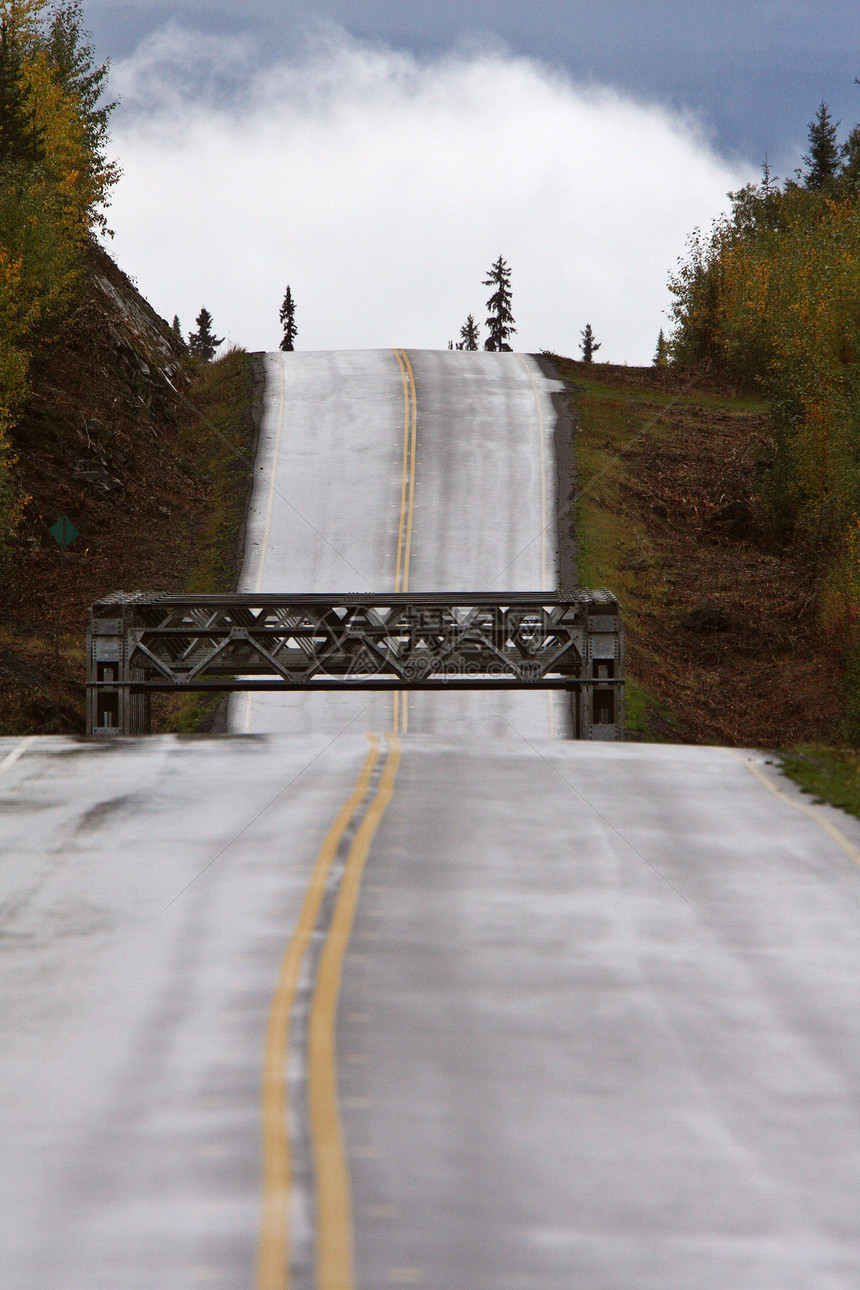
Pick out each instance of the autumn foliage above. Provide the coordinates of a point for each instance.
(771, 297)
(54, 182)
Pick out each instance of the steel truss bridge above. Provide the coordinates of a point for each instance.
(140, 644)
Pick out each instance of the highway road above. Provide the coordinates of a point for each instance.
(395, 470)
(334, 1010)
(598, 1021)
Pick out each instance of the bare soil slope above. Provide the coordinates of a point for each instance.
(156, 497)
(723, 639)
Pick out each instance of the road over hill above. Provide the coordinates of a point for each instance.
(426, 1006)
(404, 471)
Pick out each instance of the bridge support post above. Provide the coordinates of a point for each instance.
(112, 707)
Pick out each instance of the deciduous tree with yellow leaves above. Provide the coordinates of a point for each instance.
(55, 178)
(771, 296)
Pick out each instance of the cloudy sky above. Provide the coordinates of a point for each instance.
(378, 156)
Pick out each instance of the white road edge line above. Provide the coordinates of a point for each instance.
(18, 751)
(841, 840)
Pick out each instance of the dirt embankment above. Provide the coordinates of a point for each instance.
(723, 635)
(108, 440)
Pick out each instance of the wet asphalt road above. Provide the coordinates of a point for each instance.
(590, 1021)
(598, 1021)
(328, 511)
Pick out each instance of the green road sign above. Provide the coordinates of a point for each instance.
(63, 531)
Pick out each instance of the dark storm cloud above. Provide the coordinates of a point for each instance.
(752, 72)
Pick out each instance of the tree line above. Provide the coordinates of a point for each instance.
(202, 342)
(770, 297)
(500, 319)
(55, 178)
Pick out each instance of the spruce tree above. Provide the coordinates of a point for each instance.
(769, 181)
(202, 343)
(71, 54)
(500, 322)
(589, 345)
(20, 140)
(288, 321)
(824, 153)
(661, 353)
(469, 334)
(849, 175)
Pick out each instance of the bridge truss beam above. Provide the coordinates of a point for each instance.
(140, 644)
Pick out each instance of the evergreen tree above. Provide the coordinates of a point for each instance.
(176, 329)
(20, 139)
(500, 322)
(824, 153)
(589, 345)
(288, 321)
(769, 181)
(661, 353)
(202, 343)
(849, 175)
(72, 56)
(469, 334)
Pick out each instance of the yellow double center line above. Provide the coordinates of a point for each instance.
(407, 509)
(334, 1230)
(334, 1241)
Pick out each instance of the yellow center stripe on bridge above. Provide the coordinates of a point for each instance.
(274, 1242)
(407, 508)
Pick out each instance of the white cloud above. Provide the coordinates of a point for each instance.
(381, 188)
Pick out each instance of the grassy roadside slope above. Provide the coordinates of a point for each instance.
(722, 634)
(158, 497)
(216, 437)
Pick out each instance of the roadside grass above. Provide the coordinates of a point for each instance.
(656, 451)
(609, 551)
(624, 418)
(635, 710)
(613, 549)
(54, 695)
(222, 396)
(830, 774)
(607, 385)
(217, 432)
